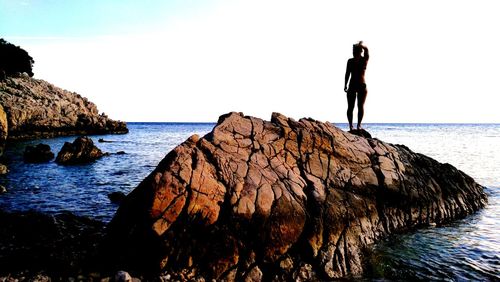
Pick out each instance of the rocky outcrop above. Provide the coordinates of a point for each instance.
(34, 108)
(40, 153)
(281, 200)
(81, 151)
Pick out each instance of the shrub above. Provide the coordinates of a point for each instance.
(14, 59)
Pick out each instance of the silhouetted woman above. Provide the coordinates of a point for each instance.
(356, 67)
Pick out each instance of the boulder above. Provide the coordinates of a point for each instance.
(40, 153)
(116, 197)
(285, 199)
(81, 151)
(122, 276)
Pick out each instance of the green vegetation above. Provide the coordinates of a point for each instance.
(14, 59)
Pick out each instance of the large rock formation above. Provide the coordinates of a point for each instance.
(34, 108)
(281, 200)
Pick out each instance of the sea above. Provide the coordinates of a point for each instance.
(464, 250)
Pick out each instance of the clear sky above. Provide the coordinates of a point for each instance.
(186, 60)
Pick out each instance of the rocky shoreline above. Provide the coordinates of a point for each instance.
(253, 200)
(32, 109)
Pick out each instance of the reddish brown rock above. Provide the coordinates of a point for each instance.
(282, 199)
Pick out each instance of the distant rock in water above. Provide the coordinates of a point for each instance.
(81, 151)
(116, 197)
(38, 154)
(101, 140)
(281, 200)
(33, 108)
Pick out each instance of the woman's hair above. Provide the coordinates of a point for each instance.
(357, 48)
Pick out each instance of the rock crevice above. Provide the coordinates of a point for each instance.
(258, 199)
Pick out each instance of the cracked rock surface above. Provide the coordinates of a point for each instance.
(280, 200)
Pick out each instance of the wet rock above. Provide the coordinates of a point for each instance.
(34, 108)
(81, 151)
(120, 153)
(116, 197)
(38, 154)
(100, 140)
(252, 193)
(3, 189)
(3, 169)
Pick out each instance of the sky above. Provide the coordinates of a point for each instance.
(192, 61)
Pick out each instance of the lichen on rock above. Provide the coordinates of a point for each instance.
(281, 198)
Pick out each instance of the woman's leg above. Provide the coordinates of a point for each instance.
(361, 105)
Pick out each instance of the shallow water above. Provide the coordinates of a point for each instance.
(84, 189)
(467, 249)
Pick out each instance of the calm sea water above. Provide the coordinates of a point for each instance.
(467, 249)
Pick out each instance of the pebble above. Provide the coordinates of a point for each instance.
(123, 276)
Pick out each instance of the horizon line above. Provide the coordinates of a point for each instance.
(366, 123)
